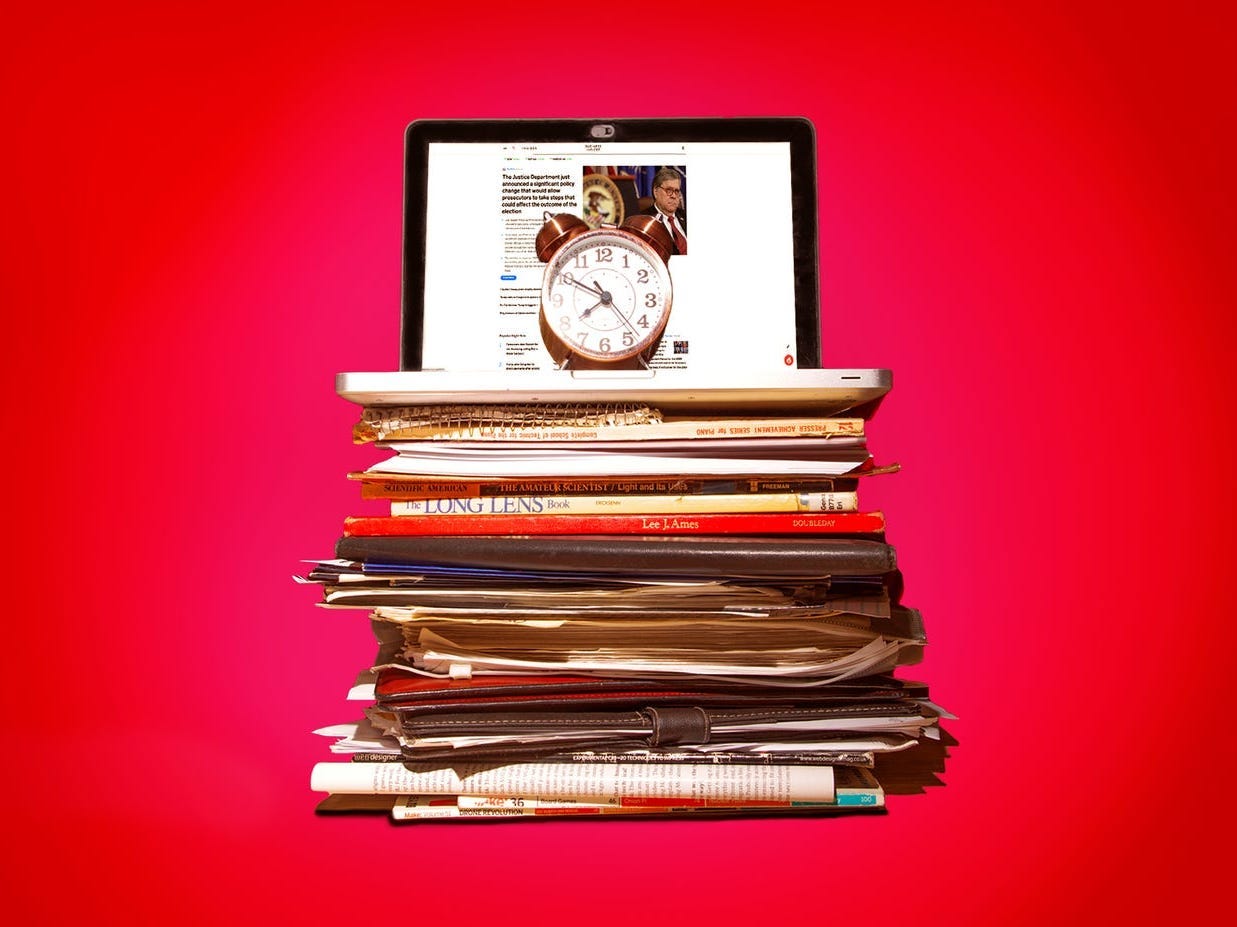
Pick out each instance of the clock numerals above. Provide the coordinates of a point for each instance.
(643, 321)
(605, 256)
(628, 340)
(650, 301)
(642, 275)
(582, 261)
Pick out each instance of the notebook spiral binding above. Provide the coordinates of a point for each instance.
(461, 422)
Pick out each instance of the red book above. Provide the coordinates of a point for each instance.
(705, 523)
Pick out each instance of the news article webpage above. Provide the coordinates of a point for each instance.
(733, 302)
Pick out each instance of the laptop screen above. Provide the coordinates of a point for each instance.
(737, 197)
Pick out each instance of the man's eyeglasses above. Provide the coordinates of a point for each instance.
(671, 191)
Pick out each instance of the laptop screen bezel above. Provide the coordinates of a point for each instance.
(797, 132)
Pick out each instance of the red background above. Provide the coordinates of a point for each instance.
(1028, 216)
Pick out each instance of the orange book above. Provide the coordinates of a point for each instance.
(832, 523)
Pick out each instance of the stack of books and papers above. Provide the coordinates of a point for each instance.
(601, 610)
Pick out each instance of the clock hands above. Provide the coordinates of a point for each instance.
(626, 321)
(606, 298)
(593, 290)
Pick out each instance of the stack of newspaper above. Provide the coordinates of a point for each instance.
(601, 610)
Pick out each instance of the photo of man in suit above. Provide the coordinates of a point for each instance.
(668, 206)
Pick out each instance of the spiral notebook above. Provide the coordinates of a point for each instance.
(745, 327)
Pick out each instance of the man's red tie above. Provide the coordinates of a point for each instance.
(680, 242)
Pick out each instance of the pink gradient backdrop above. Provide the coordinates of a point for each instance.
(1027, 216)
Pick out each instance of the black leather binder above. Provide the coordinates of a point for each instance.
(697, 555)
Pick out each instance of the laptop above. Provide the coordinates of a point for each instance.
(738, 323)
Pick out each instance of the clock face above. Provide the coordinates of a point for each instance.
(606, 296)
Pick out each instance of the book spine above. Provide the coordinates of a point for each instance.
(601, 783)
(646, 431)
(374, 486)
(630, 505)
(429, 807)
(628, 803)
(738, 523)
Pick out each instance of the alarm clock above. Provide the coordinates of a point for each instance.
(606, 294)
